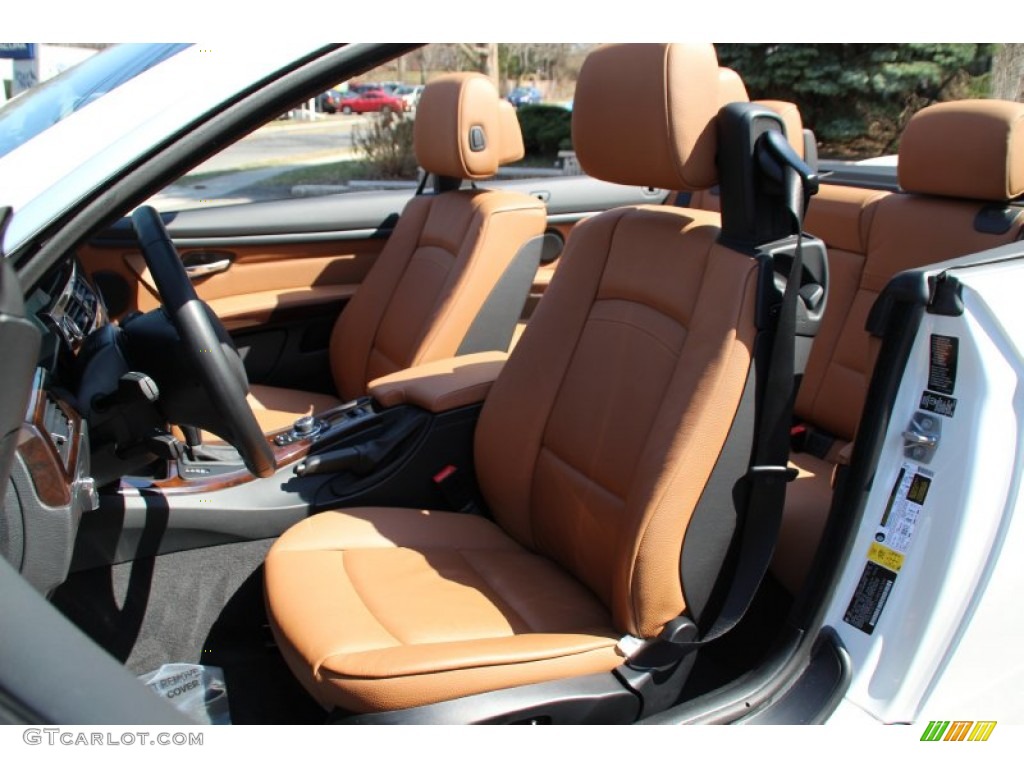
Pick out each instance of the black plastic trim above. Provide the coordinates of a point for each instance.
(594, 699)
(997, 218)
(740, 698)
(816, 693)
(947, 295)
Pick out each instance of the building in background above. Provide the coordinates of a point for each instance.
(23, 65)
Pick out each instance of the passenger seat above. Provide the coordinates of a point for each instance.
(597, 451)
(456, 271)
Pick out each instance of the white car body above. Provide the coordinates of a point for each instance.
(939, 648)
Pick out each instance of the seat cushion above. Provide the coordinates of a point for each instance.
(377, 609)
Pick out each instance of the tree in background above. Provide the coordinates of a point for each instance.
(858, 97)
(1008, 72)
(483, 58)
(554, 63)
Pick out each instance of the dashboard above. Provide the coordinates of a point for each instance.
(51, 482)
(68, 308)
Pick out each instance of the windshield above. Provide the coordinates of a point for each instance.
(50, 102)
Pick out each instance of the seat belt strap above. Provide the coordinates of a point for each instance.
(769, 473)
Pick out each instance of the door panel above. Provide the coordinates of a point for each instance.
(285, 270)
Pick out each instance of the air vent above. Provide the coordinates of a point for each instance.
(59, 427)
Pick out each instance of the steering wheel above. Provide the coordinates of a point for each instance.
(203, 337)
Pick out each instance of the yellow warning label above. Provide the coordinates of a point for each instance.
(885, 557)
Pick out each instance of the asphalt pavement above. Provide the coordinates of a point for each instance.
(279, 146)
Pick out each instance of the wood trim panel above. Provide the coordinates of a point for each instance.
(50, 479)
(175, 484)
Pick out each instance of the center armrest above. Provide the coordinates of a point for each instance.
(441, 385)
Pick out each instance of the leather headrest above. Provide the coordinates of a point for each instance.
(790, 114)
(730, 87)
(464, 129)
(644, 114)
(967, 149)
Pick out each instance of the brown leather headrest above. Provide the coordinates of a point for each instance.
(464, 129)
(730, 87)
(968, 149)
(790, 114)
(644, 114)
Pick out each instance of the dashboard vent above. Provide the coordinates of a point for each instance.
(59, 427)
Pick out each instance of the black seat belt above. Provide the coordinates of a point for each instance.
(769, 472)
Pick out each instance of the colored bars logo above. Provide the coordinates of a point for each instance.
(958, 730)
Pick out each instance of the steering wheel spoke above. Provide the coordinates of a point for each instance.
(203, 341)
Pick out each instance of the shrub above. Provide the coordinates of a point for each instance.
(387, 146)
(546, 129)
(858, 97)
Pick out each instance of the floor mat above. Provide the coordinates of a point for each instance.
(202, 606)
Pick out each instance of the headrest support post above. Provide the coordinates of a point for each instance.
(765, 186)
(780, 165)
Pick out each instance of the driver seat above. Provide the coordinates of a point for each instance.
(455, 272)
(593, 450)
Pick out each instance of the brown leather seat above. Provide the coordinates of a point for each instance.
(593, 448)
(955, 160)
(444, 259)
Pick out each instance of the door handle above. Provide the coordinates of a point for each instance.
(195, 271)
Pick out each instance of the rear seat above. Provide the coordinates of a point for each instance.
(836, 375)
(960, 164)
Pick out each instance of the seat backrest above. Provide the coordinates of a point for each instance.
(960, 165)
(454, 274)
(598, 439)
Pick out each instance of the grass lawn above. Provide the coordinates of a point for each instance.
(327, 173)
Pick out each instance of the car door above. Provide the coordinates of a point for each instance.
(928, 578)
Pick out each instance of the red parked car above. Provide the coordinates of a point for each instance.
(372, 101)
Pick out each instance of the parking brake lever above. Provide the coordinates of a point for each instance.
(360, 459)
(343, 460)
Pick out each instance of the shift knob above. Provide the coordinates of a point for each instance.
(304, 426)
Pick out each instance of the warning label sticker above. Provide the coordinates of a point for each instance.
(870, 597)
(885, 557)
(888, 551)
(900, 517)
(942, 367)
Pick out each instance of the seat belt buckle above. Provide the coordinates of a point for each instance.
(456, 492)
(797, 437)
